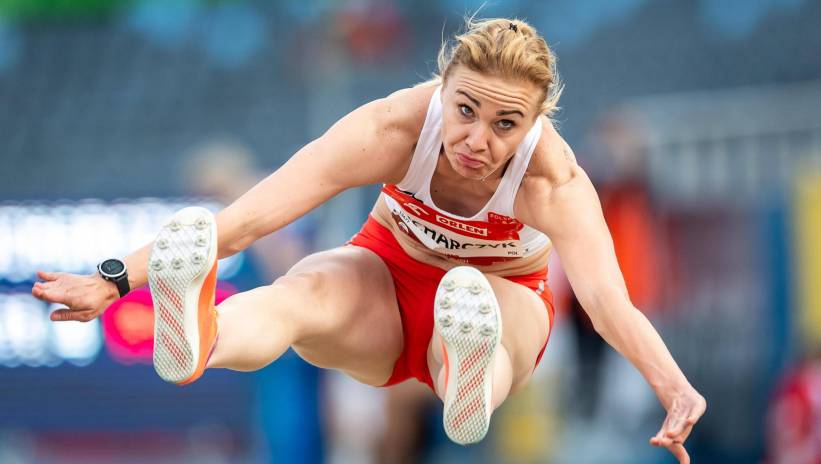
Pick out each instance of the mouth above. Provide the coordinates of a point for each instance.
(469, 161)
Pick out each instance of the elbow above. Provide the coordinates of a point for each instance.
(607, 309)
(601, 324)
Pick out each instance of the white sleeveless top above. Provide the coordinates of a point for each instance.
(489, 236)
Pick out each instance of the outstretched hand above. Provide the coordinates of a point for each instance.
(84, 297)
(684, 411)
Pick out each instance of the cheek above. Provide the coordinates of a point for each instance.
(505, 146)
(453, 133)
(501, 150)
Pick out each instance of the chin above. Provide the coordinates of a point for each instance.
(465, 171)
(473, 175)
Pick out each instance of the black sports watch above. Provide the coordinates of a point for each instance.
(113, 270)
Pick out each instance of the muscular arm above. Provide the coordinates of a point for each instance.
(570, 214)
(561, 201)
(370, 145)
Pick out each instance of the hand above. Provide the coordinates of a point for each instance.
(86, 297)
(684, 411)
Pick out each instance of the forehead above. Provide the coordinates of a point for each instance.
(492, 90)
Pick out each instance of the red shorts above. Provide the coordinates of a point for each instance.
(416, 285)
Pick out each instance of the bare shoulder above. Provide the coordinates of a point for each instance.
(404, 111)
(553, 163)
(397, 122)
(553, 175)
(378, 138)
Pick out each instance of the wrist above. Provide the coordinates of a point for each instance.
(111, 288)
(667, 394)
(116, 272)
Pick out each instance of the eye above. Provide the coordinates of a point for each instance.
(465, 110)
(506, 124)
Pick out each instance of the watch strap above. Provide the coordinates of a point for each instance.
(120, 281)
(122, 285)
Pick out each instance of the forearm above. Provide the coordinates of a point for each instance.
(137, 265)
(628, 331)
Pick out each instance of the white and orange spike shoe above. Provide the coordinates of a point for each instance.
(469, 323)
(182, 275)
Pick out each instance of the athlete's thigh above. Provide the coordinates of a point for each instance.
(350, 320)
(525, 325)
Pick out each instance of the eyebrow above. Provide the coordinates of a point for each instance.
(479, 105)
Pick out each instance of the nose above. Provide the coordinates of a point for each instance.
(477, 139)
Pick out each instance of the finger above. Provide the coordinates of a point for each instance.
(39, 290)
(39, 293)
(676, 425)
(656, 439)
(65, 314)
(687, 424)
(44, 285)
(661, 442)
(61, 314)
(680, 453)
(685, 432)
(662, 433)
(53, 295)
(681, 435)
(660, 439)
(47, 276)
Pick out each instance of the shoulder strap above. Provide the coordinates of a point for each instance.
(517, 168)
(430, 140)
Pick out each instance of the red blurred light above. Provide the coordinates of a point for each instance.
(128, 325)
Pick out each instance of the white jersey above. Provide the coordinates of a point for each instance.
(489, 236)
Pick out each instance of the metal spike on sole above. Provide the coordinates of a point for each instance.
(476, 288)
(469, 351)
(445, 302)
(178, 267)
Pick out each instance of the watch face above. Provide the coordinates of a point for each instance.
(112, 267)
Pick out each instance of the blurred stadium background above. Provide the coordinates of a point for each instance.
(699, 120)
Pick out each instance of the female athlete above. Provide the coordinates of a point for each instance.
(446, 280)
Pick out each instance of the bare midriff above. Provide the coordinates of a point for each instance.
(519, 266)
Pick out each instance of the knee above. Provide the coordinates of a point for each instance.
(304, 296)
(304, 285)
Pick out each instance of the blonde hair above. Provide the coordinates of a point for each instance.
(509, 48)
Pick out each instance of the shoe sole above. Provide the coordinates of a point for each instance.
(469, 323)
(182, 264)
